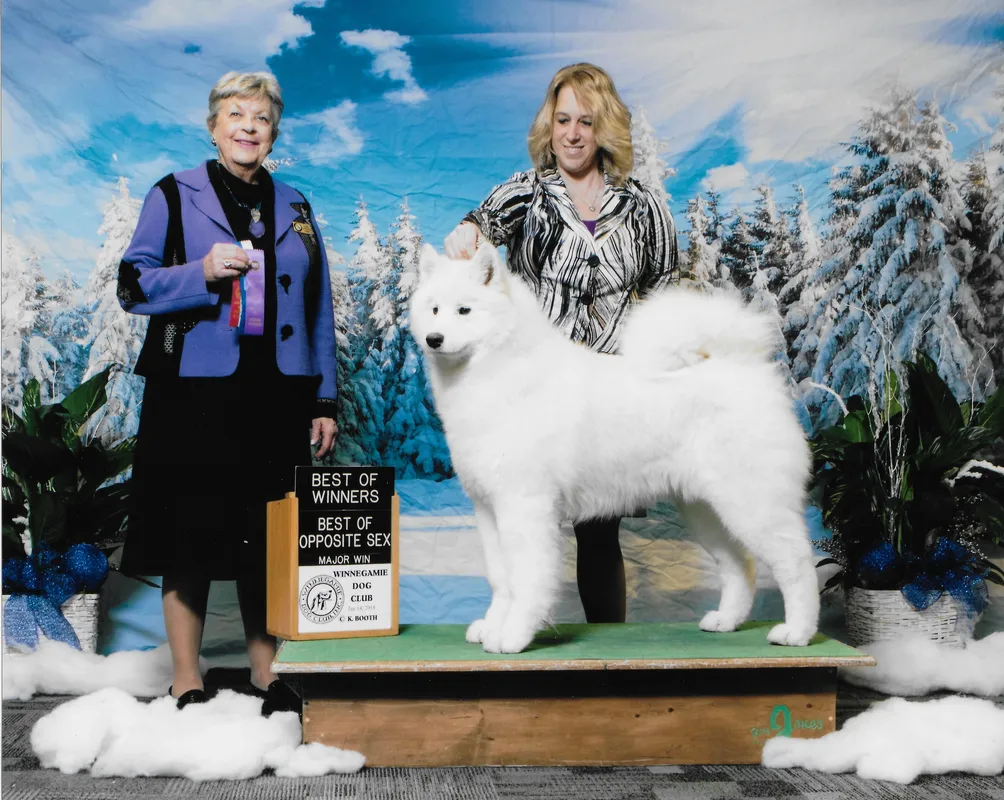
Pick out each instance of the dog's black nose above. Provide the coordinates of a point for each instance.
(434, 340)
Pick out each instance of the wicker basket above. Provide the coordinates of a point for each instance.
(81, 611)
(875, 615)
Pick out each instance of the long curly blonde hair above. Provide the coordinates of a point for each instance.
(611, 120)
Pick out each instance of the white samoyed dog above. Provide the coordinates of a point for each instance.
(541, 429)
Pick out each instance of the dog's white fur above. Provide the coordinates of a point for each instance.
(541, 429)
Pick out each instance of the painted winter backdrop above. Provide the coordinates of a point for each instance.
(909, 257)
(866, 222)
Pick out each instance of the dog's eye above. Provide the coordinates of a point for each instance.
(435, 309)
(463, 310)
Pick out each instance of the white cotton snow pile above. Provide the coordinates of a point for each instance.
(312, 760)
(897, 740)
(58, 668)
(109, 733)
(915, 666)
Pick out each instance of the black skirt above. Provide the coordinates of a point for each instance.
(210, 453)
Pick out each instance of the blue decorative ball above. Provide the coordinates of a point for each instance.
(88, 565)
(880, 567)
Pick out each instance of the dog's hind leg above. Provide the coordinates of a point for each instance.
(735, 567)
(778, 537)
(495, 566)
(529, 538)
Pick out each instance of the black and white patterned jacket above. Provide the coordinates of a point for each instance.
(584, 283)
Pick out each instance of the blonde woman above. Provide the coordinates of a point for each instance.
(590, 241)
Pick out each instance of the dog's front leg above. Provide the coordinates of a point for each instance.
(491, 624)
(528, 536)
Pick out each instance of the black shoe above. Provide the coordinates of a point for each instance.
(189, 697)
(279, 697)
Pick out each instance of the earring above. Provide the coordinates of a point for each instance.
(213, 140)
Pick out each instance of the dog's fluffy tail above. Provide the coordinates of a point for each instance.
(679, 327)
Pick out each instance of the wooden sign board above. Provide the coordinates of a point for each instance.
(333, 555)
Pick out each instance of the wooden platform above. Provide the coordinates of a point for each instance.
(581, 694)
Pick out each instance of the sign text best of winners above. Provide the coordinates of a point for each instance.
(345, 574)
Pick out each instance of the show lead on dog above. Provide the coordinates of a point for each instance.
(228, 412)
(590, 242)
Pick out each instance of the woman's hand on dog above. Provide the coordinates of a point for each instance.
(463, 241)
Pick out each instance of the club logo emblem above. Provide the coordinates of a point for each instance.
(321, 598)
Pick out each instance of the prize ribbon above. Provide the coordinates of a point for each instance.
(253, 296)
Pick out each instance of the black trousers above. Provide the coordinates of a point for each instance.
(599, 569)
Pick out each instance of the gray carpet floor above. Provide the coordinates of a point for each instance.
(23, 779)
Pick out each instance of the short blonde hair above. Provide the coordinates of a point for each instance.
(611, 120)
(246, 84)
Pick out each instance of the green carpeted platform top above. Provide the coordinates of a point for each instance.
(443, 648)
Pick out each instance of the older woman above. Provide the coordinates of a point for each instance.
(591, 242)
(228, 412)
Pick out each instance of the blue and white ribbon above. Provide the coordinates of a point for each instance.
(946, 567)
(39, 585)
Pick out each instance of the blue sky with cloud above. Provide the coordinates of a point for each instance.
(431, 100)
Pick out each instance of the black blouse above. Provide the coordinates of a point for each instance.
(237, 197)
(258, 353)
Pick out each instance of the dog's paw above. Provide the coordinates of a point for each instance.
(492, 641)
(476, 631)
(789, 635)
(516, 635)
(515, 641)
(718, 622)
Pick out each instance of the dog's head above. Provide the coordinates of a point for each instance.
(460, 306)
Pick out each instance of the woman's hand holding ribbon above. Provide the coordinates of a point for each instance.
(224, 261)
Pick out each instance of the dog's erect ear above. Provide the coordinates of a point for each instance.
(488, 265)
(427, 260)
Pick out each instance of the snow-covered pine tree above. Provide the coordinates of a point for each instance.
(984, 196)
(984, 276)
(26, 350)
(770, 248)
(115, 337)
(68, 332)
(347, 415)
(762, 299)
(803, 261)
(995, 174)
(960, 320)
(366, 274)
(718, 226)
(770, 240)
(821, 296)
(718, 223)
(892, 274)
(738, 255)
(365, 268)
(414, 441)
(650, 168)
(701, 261)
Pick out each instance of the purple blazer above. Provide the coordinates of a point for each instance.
(211, 348)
